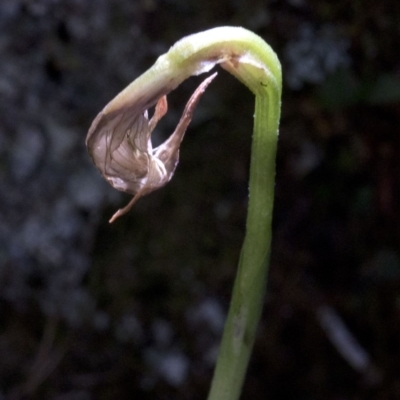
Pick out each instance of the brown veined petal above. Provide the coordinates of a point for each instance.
(123, 151)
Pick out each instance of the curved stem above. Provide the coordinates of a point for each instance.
(252, 61)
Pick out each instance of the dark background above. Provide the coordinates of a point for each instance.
(136, 309)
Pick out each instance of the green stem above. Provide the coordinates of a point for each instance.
(248, 292)
(252, 61)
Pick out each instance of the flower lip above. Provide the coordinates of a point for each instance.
(119, 143)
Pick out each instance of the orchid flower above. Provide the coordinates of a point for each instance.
(119, 142)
